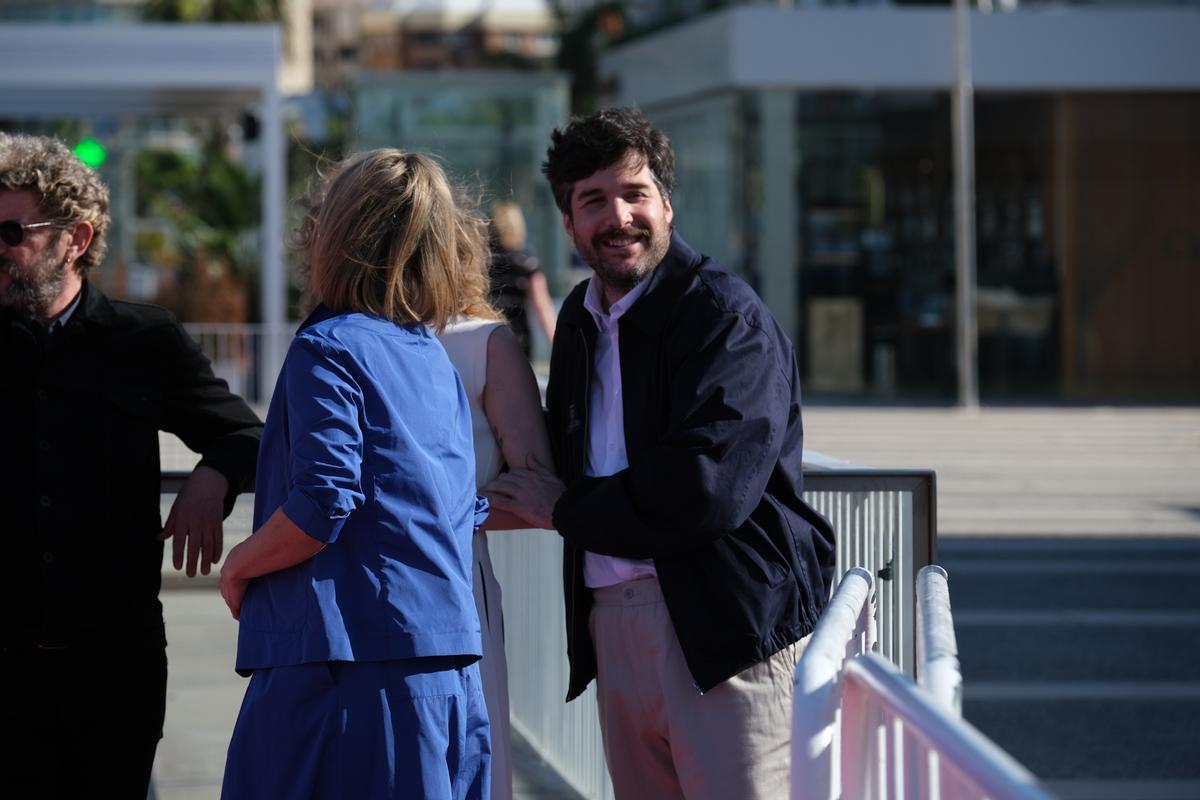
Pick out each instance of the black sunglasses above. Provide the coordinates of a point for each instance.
(12, 233)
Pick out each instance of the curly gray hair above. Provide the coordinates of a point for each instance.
(69, 191)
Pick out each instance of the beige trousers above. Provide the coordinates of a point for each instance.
(662, 737)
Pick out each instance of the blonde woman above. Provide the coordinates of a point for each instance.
(507, 424)
(518, 284)
(357, 623)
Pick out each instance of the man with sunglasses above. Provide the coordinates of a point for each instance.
(88, 383)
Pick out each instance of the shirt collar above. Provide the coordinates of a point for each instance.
(61, 320)
(592, 301)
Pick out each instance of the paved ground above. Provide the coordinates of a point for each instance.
(1034, 471)
(1072, 539)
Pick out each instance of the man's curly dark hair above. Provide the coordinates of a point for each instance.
(68, 190)
(590, 144)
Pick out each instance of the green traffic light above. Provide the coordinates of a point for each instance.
(91, 152)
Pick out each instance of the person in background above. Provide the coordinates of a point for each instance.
(518, 283)
(694, 570)
(357, 624)
(88, 384)
(508, 427)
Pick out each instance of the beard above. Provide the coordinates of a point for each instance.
(615, 274)
(33, 290)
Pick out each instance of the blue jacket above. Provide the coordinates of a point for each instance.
(711, 398)
(367, 447)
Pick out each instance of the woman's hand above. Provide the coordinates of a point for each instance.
(278, 544)
(233, 588)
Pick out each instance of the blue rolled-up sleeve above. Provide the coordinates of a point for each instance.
(482, 509)
(324, 405)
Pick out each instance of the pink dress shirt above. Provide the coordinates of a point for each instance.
(606, 427)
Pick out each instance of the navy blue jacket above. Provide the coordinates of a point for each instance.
(712, 492)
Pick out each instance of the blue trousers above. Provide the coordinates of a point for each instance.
(413, 728)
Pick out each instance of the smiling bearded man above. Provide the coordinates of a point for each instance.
(623, 245)
(694, 572)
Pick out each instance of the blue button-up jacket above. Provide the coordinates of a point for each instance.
(367, 447)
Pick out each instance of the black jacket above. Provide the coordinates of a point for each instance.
(712, 492)
(79, 468)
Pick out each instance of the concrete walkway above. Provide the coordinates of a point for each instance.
(1034, 471)
(1001, 472)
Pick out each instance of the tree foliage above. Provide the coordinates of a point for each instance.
(213, 10)
(212, 207)
(584, 37)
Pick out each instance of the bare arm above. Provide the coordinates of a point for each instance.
(514, 410)
(538, 299)
(278, 544)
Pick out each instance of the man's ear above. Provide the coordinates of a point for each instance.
(568, 224)
(81, 239)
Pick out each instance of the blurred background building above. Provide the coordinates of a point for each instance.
(814, 151)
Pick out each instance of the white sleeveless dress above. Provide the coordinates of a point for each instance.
(466, 340)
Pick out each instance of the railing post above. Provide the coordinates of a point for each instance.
(937, 650)
(857, 777)
(846, 628)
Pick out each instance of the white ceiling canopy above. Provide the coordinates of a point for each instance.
(134, 70)
(71, 70)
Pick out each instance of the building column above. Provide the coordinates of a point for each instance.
(776, 253)
(273, 279)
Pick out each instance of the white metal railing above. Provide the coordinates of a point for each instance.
(529, 567)
(937, 649)
(884, 522)
(240, 354)
(846, 629)
(862, 730)
(896, 742)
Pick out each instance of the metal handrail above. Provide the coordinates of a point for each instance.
(881, 706)
(173, 479)
(846, 629)
(937, 649)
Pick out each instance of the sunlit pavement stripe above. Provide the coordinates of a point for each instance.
(994, 547)
(985, 691)
(1091, 566)
(1068, 617)
(1124, 790)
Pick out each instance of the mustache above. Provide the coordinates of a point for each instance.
(631, 231)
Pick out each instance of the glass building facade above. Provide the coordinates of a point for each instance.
(838, 205)
(489, 131)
